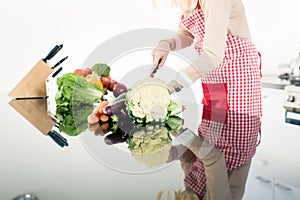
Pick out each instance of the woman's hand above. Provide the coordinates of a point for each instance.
(160, 54)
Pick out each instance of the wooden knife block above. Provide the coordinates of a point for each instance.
(34, 85)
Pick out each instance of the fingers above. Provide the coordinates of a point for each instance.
(159, 54)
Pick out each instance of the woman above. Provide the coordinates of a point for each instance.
(230, 74)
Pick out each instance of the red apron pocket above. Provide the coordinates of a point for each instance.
(215, 102)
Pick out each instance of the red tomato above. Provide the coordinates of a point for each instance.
(80, 72)
(105, 81)
(88, 71)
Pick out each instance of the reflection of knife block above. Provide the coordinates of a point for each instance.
(32, 86)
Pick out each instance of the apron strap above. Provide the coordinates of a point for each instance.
(198, 5)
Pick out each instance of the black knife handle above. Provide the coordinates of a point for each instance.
(59, 62)
(156, 68)
(58, 139)
(53, 52)
(56, 72)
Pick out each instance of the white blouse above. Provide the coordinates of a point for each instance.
(222, 17)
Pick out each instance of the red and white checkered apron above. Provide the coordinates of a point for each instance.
(232, 102)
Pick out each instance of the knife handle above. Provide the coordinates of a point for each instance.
(58, 139)
(56, 72)
(53, 52)
(156, 68)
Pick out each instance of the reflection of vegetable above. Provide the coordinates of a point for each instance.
(74, 101)
(101, 69)
(174, 108)
(118, 136)
(174, 123)
(150, 144)
(73, 120)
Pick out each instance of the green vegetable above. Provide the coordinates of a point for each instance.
(174, 123)
(131, 143)
(74, 121)
(114, 119)
(174, 108)
(101, 69)
(74, 102)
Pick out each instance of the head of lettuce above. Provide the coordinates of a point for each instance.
(74, 102)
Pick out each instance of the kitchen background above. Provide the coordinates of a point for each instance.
(29, 29)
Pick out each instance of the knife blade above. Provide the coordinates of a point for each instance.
(53, 52)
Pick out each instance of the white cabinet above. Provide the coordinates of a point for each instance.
(259, 187)
(284, 191)
(259, 184)
(273, 173)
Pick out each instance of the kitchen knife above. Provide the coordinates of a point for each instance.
(53, 52)
(59, 62)
(156, 68)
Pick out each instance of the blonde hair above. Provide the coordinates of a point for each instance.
(178, 195)
(184, 5)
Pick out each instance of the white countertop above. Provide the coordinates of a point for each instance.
(272, 81)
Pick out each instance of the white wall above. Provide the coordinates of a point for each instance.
(29, 29)
(275, 30)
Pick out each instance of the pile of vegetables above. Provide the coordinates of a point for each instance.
(136, 121)
(141, 117)
(77, 94)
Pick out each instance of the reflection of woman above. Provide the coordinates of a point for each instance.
(230, 75)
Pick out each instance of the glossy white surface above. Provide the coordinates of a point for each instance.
(32, 162)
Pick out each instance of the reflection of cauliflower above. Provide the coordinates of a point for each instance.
(149, 100)
(150, 144)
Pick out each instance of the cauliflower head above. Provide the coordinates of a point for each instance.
(148, 100)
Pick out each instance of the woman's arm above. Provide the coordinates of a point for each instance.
(182, 39)
(217, 15)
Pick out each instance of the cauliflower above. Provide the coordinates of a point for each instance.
(150, 144)
(149, 100)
